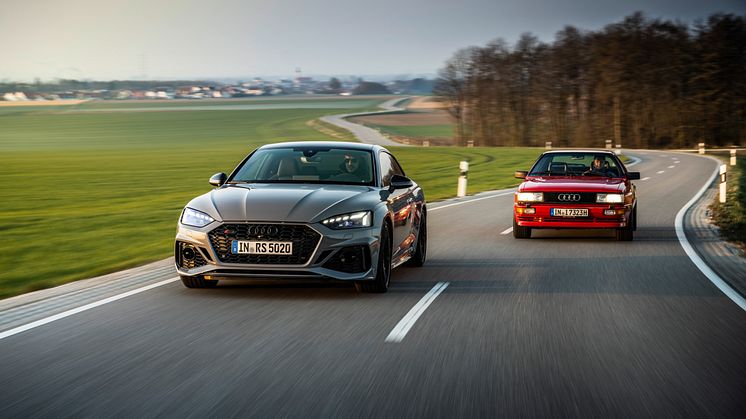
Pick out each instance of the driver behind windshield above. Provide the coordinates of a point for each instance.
(350, 170)
(599, 165)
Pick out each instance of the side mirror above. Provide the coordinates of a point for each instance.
(401, 182)
(520, 174)
(218, 179)
(633, 175)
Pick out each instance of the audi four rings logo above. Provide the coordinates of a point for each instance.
(263, 230)
(574, 197)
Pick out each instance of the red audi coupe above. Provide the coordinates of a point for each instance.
(578, 189)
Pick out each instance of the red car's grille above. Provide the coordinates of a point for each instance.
(570, 197)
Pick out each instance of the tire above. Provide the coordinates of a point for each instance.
(626, 234)
(383, 270)
(521, 232)
(197, 282)
(420, 254)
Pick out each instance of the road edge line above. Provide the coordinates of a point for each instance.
(470, 200)
(68, 313)
(716, 280)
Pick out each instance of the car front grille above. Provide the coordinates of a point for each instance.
(585, 198)
(304, 239)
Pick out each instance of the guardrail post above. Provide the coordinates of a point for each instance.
(733, 157)
(548, 145)
(701, 148)
(723, 176)
(464, 169)
(608, 144)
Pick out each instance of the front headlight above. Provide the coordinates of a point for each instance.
(609, 198)
(195, 218)
(529, 196)
(352, 220)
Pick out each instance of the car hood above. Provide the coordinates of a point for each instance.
(283, 202)
(572, 184)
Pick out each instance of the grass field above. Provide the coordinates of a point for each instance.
(417, 131)
(86, 193)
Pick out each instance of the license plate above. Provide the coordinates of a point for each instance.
(569, 212)
(240, 247)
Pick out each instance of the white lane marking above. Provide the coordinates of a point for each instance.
(471, 200)
(661, 171)
(674, 158)
(698, 262)
(645, 178)
(507, 230)
(402, 328)
(81, 309)
(677, 161)
(671, 167)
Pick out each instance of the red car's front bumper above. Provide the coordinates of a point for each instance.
(538, 216)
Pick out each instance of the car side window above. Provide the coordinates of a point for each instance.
(389, 167)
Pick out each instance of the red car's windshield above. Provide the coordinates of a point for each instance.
(577, 164)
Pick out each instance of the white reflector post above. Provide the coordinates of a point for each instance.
(723, 177)
(463, 168)
(548, 145)
(733, 157)
(701, 148)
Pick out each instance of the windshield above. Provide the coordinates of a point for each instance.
(307, 165)
(577, 164)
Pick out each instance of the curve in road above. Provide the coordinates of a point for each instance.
(569, 323)
(361, 132)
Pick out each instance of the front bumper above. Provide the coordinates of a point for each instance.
(347, 255)
(538, 216)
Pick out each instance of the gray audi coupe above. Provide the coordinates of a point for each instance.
(315, 210)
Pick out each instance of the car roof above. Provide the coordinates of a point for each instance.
(581, 151)
(331, 144)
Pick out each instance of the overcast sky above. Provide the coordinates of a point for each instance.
(116, 39)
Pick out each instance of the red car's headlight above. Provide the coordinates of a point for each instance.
(529, 196)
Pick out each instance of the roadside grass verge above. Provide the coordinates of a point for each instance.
(86, 194)
(730, 217)
(331, 130)
(436, 169)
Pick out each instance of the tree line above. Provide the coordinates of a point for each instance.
(641, 82)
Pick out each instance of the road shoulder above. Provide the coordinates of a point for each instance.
(721, 256)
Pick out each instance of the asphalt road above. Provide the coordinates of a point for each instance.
(566, 324)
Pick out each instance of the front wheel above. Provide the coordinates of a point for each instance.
(521, 232)
(383, 269)
(626, 234)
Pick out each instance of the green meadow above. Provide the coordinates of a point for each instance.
(417, 131)
(87, 192)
